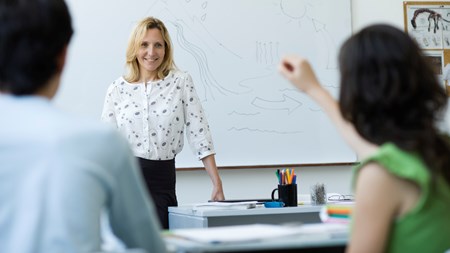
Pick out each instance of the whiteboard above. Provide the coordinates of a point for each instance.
(231, 48)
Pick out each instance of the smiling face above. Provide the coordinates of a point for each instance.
(151, 54)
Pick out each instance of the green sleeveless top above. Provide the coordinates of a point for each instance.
(426, 227)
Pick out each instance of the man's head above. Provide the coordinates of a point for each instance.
(34, 35)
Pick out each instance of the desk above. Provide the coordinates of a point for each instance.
(185, 217)
(314, 243)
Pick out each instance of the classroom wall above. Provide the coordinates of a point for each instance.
(195, 186)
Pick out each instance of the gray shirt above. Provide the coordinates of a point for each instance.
(58, 173)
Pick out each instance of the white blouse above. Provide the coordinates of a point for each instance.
(153, 116)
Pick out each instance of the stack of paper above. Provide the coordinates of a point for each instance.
(224, 205)
(258, 232)
(233, 233)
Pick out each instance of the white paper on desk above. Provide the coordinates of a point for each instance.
(258, 232)
(331, 229)
(225, 205)
(241, 233)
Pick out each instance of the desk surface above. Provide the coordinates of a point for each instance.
(187, 217)
(323, 242)
(259, 210)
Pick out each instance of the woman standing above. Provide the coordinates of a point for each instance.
(151, 105)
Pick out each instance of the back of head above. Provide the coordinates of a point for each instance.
(390, 93)
(33, 33)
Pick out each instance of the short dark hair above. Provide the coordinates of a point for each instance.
(391, 94)
(32, 35)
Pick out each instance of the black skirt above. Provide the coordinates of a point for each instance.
(160, 178)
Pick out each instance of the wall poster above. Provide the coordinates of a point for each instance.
(429, 24)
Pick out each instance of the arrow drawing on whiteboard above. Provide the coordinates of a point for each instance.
(244, 114)
(287, 103)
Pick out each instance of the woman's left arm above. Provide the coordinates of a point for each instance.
(377, 203)
(210, 166)
(199, 136)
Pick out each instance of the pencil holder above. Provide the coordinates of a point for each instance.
(287, 193)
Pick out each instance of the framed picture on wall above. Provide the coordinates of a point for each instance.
(429, 24)
(436, 60)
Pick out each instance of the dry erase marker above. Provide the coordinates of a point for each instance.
(288, 66)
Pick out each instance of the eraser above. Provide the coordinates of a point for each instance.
(273, 204)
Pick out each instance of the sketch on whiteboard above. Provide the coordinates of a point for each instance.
(231, 49)
(202, 61)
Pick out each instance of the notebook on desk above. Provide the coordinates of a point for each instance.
(258, 201)
(216, 205)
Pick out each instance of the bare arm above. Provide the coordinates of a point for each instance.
(210, 165)
(378, 200)
(299, 72)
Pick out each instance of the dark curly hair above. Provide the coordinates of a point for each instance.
(32, 35)
(390, 94)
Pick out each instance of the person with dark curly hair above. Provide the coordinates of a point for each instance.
(389, 105)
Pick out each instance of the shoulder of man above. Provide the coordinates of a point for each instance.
(93, 140)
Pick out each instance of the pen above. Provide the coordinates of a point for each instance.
(288, 66)
(292, 176)
(288, 177)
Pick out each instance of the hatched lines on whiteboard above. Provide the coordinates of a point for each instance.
(202, 62)
(267, 52)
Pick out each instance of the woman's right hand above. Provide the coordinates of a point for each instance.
(299, 72)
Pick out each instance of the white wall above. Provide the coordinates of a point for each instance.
(195, 186)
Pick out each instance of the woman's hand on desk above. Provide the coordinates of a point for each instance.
(217, 193)
(210, 165)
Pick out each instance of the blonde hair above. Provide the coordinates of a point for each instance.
(134, 43)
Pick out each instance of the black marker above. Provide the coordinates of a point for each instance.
(288, 66)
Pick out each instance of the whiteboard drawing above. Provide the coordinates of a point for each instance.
(231, 49)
